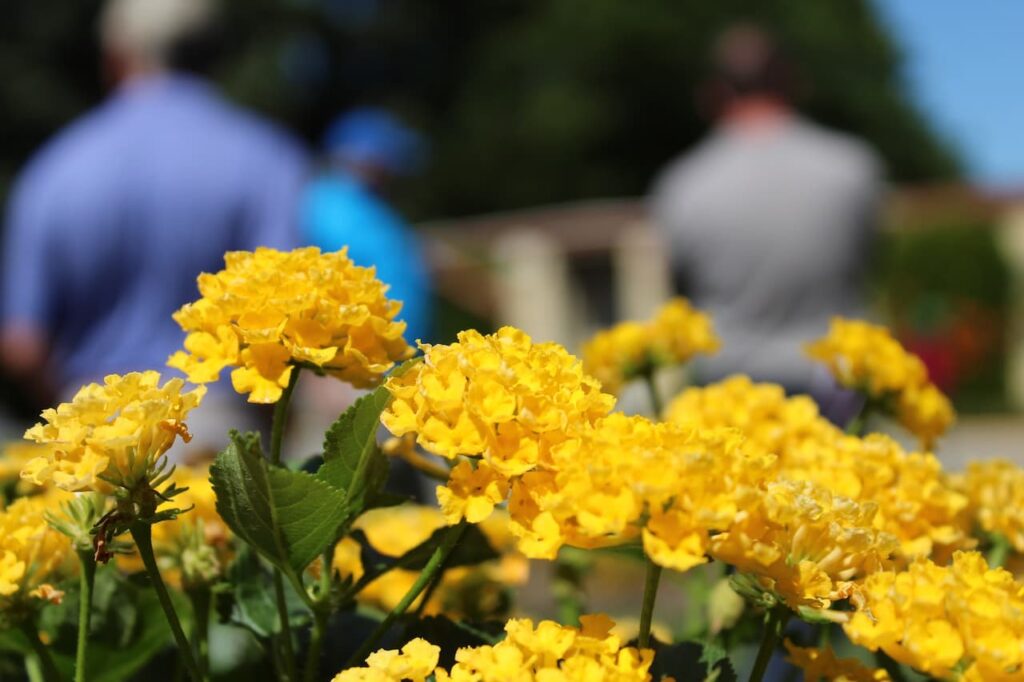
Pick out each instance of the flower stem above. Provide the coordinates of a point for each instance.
(280, 416)
(315, 644)
(858, 425)
(652, 389)
(142, 533)
(276, 437)
(437, 559)
(774, 624)
(286, 627)
(647, 610)
(48, 667)
(200, 597)
(85, 581)
(998, 552)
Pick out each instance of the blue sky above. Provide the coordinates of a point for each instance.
(964, 65)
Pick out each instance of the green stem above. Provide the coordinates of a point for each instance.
(85, 581)
(647, 610)
(276, 438)
(280, 417)
(774, 624)
(321, 613)
(142, 533)
(286, 626)
(49, 668)
(998, 552)
(858, 426)
(201, 600)
(316, 645)
(437, 559)
(652, 389)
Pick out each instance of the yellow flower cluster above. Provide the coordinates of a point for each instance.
(548, 652)
(916, 502)
(629, 476)
(415, 662)
(267, 310)
(194, 548)
(996, 492)
(802, 543)
(963, 621)
(463, 590)
(33, 556)
(823, 664)
(629, 349)
(500, 399)
(866, 357)
(110, 434)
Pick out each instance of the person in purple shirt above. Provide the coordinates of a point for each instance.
(111, 222)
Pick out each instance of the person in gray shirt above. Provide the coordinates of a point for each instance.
(769, 220)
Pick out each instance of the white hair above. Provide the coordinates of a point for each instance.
(148, 30)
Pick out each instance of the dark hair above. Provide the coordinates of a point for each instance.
(747, 60)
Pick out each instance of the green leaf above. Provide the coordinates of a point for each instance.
(252, 597)
(289, 517)
(352, 460)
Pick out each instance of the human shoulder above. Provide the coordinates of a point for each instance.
(839, 147)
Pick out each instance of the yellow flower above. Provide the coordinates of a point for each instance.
(471, 493)
(939, 618)
(916, 501)
(996, 492)
(802, 543)
(415, 662)
(866, 357)
(676, 334)
(111, 434)
(269, 310)
(32, 555)
(499, 398)
(823, 664)
(548, 652)
(627, 477)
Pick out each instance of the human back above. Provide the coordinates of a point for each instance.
(769, 220)
(110, 224)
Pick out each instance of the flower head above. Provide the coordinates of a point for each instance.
(941, 618)
(500, 400)
(545, 652)
(268, 310)
(111, 434)
(916, 501)
(802, 543)
(866, 357)
(33, 556)
(676, 334)
(995, 489)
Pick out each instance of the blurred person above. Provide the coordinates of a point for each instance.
(769, 222)
(110, 223)
(366, 151)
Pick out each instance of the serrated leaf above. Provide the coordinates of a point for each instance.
(352, 460)
(289, 517)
